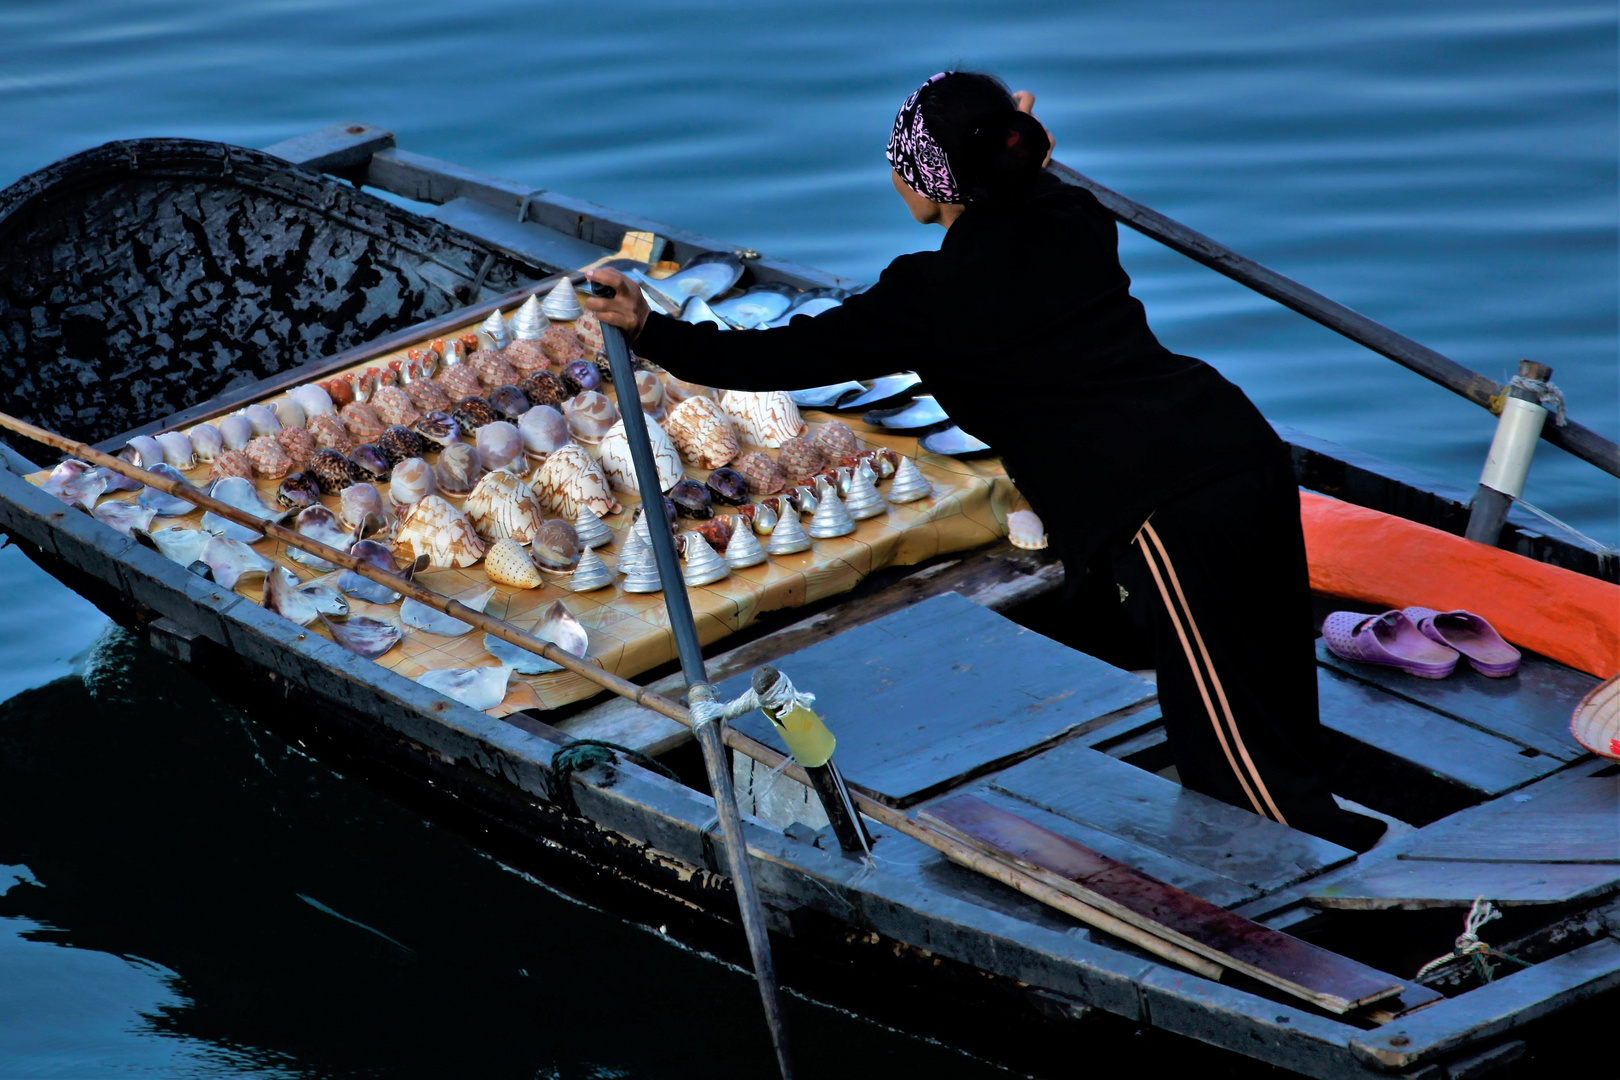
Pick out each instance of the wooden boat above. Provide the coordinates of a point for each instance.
(225, 276)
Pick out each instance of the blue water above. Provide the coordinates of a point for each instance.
(1447, 168)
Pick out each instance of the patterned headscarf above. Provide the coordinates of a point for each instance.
(921, 161)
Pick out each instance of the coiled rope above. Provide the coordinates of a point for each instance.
(586, 754)
(1468, 946)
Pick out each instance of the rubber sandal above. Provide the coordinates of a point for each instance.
(1470, 635)
(1390, 639)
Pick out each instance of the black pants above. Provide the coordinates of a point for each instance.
(1216, 579)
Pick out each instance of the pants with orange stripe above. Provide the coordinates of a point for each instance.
(1217, 581)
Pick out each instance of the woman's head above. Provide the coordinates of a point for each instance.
(959, 139)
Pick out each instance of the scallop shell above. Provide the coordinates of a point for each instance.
(764, 476)
(269, 459)
(544, 388)
(799, 458)
(399, 443)
(621, 470)
(703, 433)
(589, 329)
(262, 419)
(501, 506)
(360, 501)
(412, 480)
(298, 444)
(650, 387)
(836, 440)
(543, 430)
(590, 416)
(234, 432)
(506, 563)
(332, 471)
(313, 399)
(568, 480)
(500, 447)
(329, 433)
(428, 396)
(362, 422)
(290, 413)
(1025, 530)
(395, 407)
(231, 463)
(458, 469)
(206, 442)
(526, 357)
(491, 368)
(460, 381)
(768, 419)
(562, 345)
(561, 303)
(528, 321)
(434, 528)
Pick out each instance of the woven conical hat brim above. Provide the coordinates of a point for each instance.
(1596, 721)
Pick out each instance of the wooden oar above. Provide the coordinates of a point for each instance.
(960, 853)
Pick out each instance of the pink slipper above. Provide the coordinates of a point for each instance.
(1391, 639)
(1470, 635)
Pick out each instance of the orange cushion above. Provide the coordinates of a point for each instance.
(1365, 555)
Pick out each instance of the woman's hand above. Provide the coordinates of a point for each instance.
(1025, 101)
(627, 309)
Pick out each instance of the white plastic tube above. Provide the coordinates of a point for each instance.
(1508, 463)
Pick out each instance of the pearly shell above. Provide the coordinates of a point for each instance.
(298, 444)
(831, 518)
(703, 433)
(362, 422)
(863, 500)
(458, 469)
(744, 550)
(590, 416)
(493, 330)
(591, 573)
(544, 388)
(415, 613)
(506, 563)
(702, 564)
(909, 484)
(177, 449)
(330, 434)
(621, 470)
(789, 537)
(412, 480)
(359, 502)
(434, 528)
(234, 431)
(269, 459)
(561, 303)
(529, 320)
(126, 517)
(262, 419)
(313, 399)
(480, 688)
(206, 442)
(568, 480)
(836, 440)
(800, 458)
(651, 390)
(718, 531)
(231, 463)
(1025, 530)
(562, 345)
(500, 447)
(590, 530)
(290, 413)
(763, 474)
(768, 419)
(501, 507)
(395, 407)
(542, 430)
(556, 546)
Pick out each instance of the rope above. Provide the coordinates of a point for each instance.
(1550, 397)
(584, 754)
(1596, 545)
(1468, 946)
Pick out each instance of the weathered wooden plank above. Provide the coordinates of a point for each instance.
(1508, 1003)
(1591, 837)
(1333, 982)
(935, 694)
(1408, 885)
(1090, 787)
(334, 147)
(1531, 708)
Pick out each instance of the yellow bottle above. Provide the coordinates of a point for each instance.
(807, 738)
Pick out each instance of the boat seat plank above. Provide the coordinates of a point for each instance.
(943, 691)
(1089, 787)
(1334, 982)
(527, 240)
(1531, 708)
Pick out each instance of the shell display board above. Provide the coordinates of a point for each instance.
(628, 631)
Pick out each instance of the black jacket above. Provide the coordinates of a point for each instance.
(1095, 420)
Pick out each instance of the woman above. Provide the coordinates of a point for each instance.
(1023, 326)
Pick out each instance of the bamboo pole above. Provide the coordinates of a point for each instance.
(673, 710)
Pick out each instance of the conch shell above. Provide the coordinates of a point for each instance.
(434, 528)
(621, 470)
(703, 433)
(767, 419)
(568, 480)
(502, 507)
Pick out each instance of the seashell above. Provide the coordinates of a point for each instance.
(500, 447)
(175, 448)
(642, 577)
(298, 444)
(75, 483)
(621, 470)
(562, 345)
(764, 476)
(768, 419)
(703, 566)
(703, 433)
(206, 442)
(179, 544)
(556, 546)
(568, 480)
(289, 413)
(591, 573)
(789, 537)
(491, 368)
(761, 517)
(744, 550)
(803, 499)
(478, 688)
(561, 303)
(717, 531)
(528, 321)
(501, 506)
(799, 458)
(262, 419)
(510, 402)
(434, 621)
(332, 471)
(635, 551)
(526, 357)
(590, 530)
(282, 596)
(458, 469)
(339, 391)
(1025, 530)
(590, 416)
(363, 588)
(678, 390)
(863, 500)
(240, 493)
(362, 384)
(360, 502)
(493, 333)
(691, 500)
(126, 517)
(367, 463)
(589, 330)
(313, 399)
(411, 480)
(298, 490)
(909, 484)
(580, 375)
(544, 388)
(118, 481)
(329, 433)
(438, 428)
(363, 635)
(434, 528)
(362, 422)
(727, 486)
(884, 462)
(468, 344)
(473, 413)
(651, 390)
(543, 430)
(399, 443)
(231, 463)
(395, 407)
(428, 396)
(234, 431)
(830, 519)
(604, 369)
(836, 440)
(231, 562)
(507, 563)
(460, 381)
